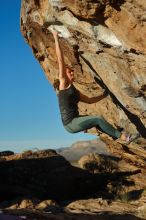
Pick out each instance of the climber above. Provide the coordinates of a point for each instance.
(69, 96)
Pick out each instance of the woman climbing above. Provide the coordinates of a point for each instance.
(69, 96)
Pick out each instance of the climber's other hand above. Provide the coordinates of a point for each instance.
(55, 33)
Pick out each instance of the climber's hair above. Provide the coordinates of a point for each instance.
(69, 66)
(56, 84)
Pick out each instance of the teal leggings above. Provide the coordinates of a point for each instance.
(82, 123)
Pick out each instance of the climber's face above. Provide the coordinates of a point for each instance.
(70, 74)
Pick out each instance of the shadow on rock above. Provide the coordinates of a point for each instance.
(51, 176)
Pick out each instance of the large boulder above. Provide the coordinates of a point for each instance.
(105, 43)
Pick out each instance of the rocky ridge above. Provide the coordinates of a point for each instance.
(81, 148)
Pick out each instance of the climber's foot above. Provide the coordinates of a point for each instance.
(128, 138)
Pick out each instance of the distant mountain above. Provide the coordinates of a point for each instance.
(81, 148)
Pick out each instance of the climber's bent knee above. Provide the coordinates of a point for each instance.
(69, 129)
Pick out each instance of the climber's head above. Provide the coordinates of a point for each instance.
(70, 77)
(70, 73)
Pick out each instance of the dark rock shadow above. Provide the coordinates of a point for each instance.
(133, 195)
(54, 178)
(116, 4)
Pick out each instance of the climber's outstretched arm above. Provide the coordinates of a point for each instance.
(86, 99)
(60, 58)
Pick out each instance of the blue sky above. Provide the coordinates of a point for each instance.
(29, 113)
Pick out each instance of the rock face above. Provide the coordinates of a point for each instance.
(105, 43)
